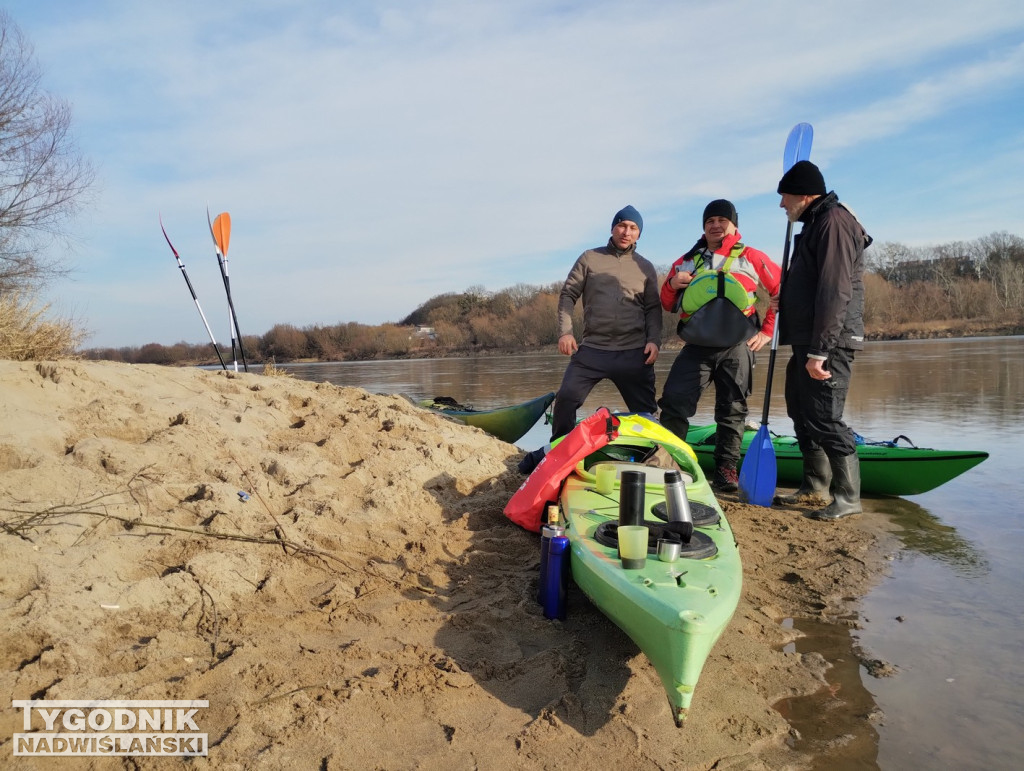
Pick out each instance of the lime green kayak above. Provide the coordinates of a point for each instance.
(509, 424)
(886, 468)
(673, 611)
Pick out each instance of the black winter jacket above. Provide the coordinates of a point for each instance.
(822, 300)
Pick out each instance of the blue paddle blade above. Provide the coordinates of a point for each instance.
(757, 474)
(798, 145)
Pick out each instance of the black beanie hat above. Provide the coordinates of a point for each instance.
(631, 214)
(803, 179)
(721, 208)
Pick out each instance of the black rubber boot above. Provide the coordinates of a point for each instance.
(815, 483)
(845, 489)
(677, 426)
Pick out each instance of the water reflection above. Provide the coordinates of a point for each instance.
(845, 708)
(483, 382)
(944, 382)
(937, 383)
(920, 531)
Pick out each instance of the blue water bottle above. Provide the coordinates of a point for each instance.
(549, 531)
(556, 579)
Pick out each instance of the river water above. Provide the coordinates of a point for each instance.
(949, 617)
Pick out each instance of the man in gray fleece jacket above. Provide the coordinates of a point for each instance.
(621, 324)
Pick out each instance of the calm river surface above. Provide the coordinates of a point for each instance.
(949, 617)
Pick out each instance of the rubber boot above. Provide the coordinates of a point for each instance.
(845, 489)
(677, 426)
(815, 483)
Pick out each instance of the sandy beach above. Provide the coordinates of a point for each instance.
(332, 571)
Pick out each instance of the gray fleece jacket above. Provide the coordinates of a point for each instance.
(621, 305)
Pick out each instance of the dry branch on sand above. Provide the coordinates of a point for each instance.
(367, 585)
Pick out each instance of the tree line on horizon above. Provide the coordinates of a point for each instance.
(908, 290)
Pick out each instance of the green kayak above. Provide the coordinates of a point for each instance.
(886, 468)
(507, 423)
(673, 611)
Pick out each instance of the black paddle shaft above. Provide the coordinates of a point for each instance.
(231, 307)
(775, 332)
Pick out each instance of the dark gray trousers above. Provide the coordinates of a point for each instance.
(588, 367)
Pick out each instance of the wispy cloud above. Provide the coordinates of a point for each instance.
(375, 154)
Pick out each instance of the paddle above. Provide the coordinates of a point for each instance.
(758, 473)
(193, 291)
(220, 229)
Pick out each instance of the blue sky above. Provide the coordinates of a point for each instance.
(375, 154)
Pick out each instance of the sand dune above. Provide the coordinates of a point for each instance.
(331, 570)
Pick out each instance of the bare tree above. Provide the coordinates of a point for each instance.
(1008, 284)
(885, 259)
(1000, 247)
(42, 175)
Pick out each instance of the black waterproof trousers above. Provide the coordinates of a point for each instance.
(816, 406)
(695, 368)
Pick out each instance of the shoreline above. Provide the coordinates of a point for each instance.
(368, 587)
(939, 332)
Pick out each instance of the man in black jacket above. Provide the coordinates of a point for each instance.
(821, 315)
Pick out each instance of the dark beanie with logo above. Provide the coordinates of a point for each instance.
(721, 208)
(631, 214)
(803, 179)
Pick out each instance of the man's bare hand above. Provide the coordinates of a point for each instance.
(758, 341)
(651, 352)
(567, 345)
(816, 369)
(680, 280)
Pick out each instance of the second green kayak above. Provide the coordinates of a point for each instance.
(509, 423)
(886, 468)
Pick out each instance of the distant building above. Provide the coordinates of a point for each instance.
(908, 271)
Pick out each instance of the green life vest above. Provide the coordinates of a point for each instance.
(709, 284)
(714, 306)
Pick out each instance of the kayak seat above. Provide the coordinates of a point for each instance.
(653, 475)
(703, 515)
(695, 544)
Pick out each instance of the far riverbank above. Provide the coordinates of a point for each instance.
(947, 330)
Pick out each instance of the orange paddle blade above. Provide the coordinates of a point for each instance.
(222, 231)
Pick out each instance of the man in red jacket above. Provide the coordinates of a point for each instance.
(713, 287)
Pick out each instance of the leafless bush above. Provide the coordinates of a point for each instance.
(26, 334)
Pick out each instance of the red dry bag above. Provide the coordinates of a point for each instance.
(540, 489)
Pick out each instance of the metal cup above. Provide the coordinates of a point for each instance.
(668, 551)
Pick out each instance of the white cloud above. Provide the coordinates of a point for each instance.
(373, 155)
